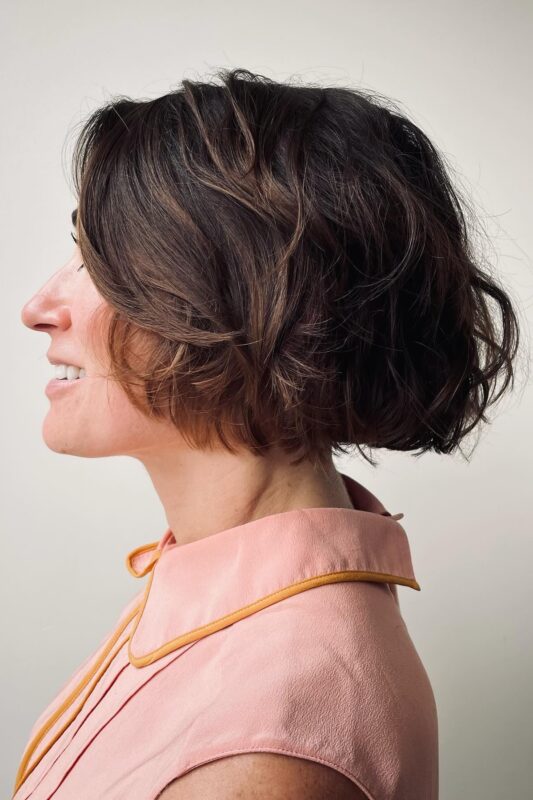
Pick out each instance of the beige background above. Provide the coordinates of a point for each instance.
(463, 71)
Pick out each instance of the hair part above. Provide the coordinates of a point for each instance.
(288, 265)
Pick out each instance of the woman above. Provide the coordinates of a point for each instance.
(264, 275)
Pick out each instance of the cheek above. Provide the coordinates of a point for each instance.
(108, 405)
(118, 428)
(93, 320)
(96, 419)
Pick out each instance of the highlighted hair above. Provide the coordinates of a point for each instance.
(288, 265)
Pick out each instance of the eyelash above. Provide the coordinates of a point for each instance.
(76, 241)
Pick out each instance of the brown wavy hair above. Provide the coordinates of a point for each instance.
(288, 265)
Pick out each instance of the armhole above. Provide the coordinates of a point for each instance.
(280, 750)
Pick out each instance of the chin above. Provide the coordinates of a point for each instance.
(76, 442)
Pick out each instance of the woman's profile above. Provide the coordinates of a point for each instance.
(265, 275)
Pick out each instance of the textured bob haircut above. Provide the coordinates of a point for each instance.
(288, 265)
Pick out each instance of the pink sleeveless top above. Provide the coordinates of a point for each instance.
(283, 634)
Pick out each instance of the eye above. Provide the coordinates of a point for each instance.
(81, 265)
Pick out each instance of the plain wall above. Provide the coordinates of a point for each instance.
(463, 72)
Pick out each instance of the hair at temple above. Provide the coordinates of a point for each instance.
(289, 264)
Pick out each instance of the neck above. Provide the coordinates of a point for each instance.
(206, 492)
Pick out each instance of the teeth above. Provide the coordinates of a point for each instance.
(68, 372)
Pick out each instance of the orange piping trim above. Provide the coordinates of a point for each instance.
(257, 605)
(21, 777)
(142, 549)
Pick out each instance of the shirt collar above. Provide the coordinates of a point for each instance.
(199, 587)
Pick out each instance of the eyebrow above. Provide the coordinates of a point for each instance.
(74, 217)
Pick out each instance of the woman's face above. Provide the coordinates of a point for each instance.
(91, 416)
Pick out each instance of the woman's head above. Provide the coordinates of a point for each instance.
(282, 265)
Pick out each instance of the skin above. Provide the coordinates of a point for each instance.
(262, 776)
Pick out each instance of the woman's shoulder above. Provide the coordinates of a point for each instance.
(330, 674)
(339, 648)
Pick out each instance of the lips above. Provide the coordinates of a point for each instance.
(55, 359)
(58, 386)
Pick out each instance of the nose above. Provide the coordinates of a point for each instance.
(46, 310)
